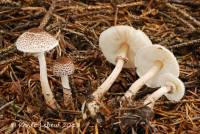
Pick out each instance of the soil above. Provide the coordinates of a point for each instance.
(77, 25)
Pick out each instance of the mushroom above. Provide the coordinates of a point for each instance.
(37, 42)
(152, 62)
(172, 87)
(119, 45)
(63, 67)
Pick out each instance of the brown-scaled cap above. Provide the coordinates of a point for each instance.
(36, 40)
(63, 66)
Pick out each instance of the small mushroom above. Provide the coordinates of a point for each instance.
(63, 67)
(119, 45)
(36, 41)
(172, 87)
(152, 62)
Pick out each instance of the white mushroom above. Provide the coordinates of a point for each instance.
(119, 45)
(172, 87)
(37, 42)
(152, 62)
(64, 67)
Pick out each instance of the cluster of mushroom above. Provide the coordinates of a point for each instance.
(156, 66)
(37, 41)
(123, 46)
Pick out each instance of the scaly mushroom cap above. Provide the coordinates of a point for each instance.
(36, 40)
(147, 56)
(112, 39)
(178, 88)
(63, 66)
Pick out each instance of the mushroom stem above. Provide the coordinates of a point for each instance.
(46, 90)
(98, 94)
(151, 99)
(67, 94)
(110, 80)
(65, 82)
(113, 76)
(137, 85)
(67, 97)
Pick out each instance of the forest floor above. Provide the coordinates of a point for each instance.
(77, 25)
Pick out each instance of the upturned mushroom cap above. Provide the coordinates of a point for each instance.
(36, 40)
(147, 56)
(178, 88)
(63, 66)
(112, 39)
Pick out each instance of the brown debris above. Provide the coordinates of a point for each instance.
(174, 24)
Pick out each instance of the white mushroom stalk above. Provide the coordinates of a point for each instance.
(65, 81)
(67, 93)
(118, 44)
(120, 60)
(63, 67)
(46, 90)
(172, 87)
(138, 84)
(36, 41)
(151, 62)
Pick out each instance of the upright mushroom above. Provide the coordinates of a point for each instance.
(152, 62)
(172, 87)
(119, 45)
(63, 67)
(37, 42)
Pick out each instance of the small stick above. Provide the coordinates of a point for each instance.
(47, 15)
(116, 16)
(96, 129)
(100, 7)
(14, 19)
(5, 50)
(183, 13)
(34, 8)
(185, 44)
(12, 59)
(5, 105)
(139, 3)
(185, 22)
(86, 126)
(4, 69)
